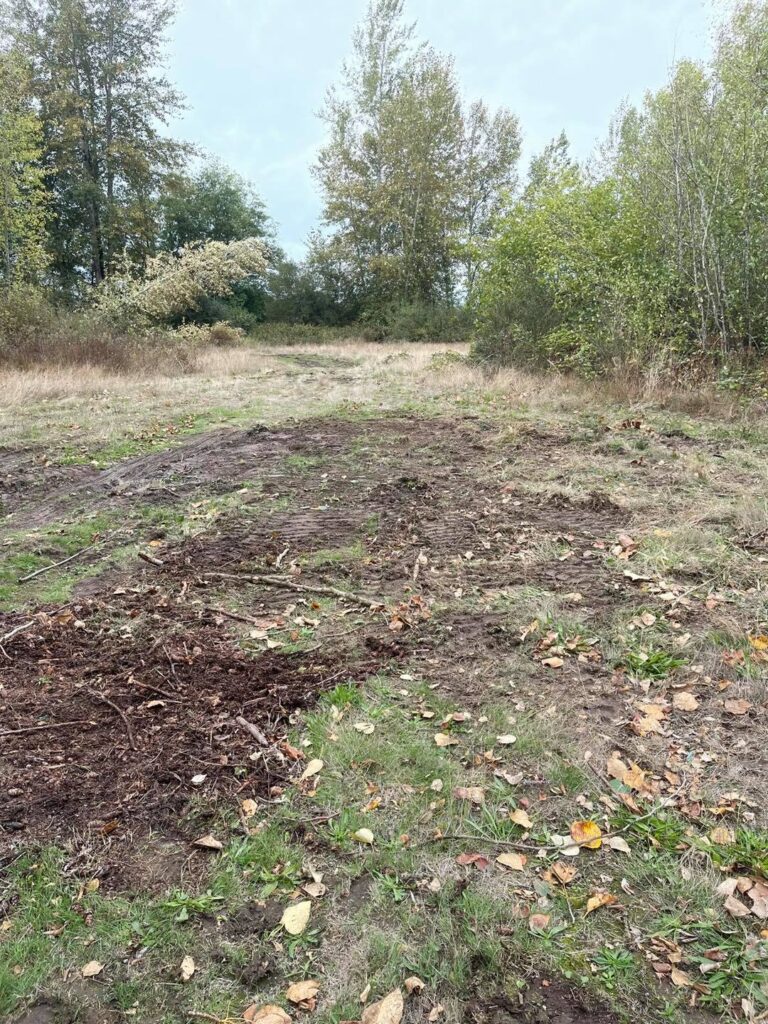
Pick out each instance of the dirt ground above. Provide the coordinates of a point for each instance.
(455, 549)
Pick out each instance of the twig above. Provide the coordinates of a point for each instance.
(51, 725)
(232, 615)
(552, 848)
(14, 632)
(55, 565)
(311, 588)
(106, 700)
(280, 557)
(254, 730)
(150, 558)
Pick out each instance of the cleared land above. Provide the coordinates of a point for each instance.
(321, 590)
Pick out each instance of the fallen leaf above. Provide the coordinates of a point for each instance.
(366, 728)
(442, 739)
(249, 808)
(737, 706)
(618, 843)
(586, 834)
(520, 817)
(474, 794)
(365, 993)
(435, 1013)
(413, 984)
(680, 978)
(506, 741)
(436, 785)
(722, 836)
(302, 992)
(563, 873)
(314, 766)
(513, 861)
(296, 917)
(553, 662)
(467, 859)
(266, 1015)
(760, 643)
(187, 968)
(92, 969)
(538, 922)
(363, 835)
(600, 899)
(736, 908)
(388, 1011)
(684, 701)
(208, 843)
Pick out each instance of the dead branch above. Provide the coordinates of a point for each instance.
(310, 588)
(40, 728)
(253, 730)
(150, 558)
(106, 700)
(55, 565)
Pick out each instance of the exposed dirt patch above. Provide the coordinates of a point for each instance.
(104, 727)
(541, 1003)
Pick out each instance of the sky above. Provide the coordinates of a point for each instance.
(255, 73)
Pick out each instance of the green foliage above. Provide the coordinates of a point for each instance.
(22, 192)
(654, 259)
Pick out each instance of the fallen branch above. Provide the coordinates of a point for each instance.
(253, 730)
(55, 565)
(150, 558)
(309, 588)
(232, 615)
(51, 725)
(15, 631)
(106, 700)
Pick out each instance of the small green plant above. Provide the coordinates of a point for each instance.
(613, 965)
(651, 663)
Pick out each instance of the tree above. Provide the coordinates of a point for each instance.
(22, 191)
(214, 204)
(103, 104)
(410, 181)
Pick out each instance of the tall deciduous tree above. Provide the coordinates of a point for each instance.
(410, 181)
(22, 192)
(103, 103)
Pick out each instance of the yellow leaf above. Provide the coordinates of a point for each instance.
(680, 978)
(91, 969)
(249, 808)
(363, 835)
(586, 834)
(721, 836)
(296, 917)
(208, 843)
(553, 662)
(600, 899)
(760, 643)
(474, 794)
(520, 817)
(187, 968)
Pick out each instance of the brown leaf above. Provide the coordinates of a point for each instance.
(413, 984)
(553, 662)
(680, 978)
(736, 908)
(266, 1015)
(474, 794)
(208, 843)
(187, 968)
(513, 861)
(92, 969)
(476, 859)
(302, 992)
(388, 1011)
(564, 873)
(737, 706)
(538, 922)
(684, 701)
(600, 899)
(442, 739)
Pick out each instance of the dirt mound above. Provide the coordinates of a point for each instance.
(545, 1002)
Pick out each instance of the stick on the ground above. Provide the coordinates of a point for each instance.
(232, 615)
(253, 730)
(15, 631)
(55, 565)
(309, 588)
(40, 728)
(150, 558)
(106, 700)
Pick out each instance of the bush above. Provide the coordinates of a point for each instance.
(420, 322)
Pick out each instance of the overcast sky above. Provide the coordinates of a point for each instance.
(255, 73)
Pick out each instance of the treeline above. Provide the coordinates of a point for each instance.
(656, 252)
(652, 253)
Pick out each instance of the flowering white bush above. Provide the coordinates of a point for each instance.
(175, 284)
